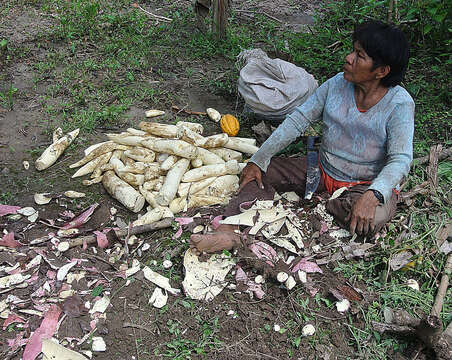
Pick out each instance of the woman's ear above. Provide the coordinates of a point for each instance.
(382, 71)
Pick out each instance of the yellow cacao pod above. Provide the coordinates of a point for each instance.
(229, 124)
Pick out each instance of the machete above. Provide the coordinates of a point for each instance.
(313, 171)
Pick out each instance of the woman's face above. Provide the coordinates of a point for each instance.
(358, 66)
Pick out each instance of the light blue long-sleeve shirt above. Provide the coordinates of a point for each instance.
(376, 145)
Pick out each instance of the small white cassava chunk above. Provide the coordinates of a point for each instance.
(137, 132)
(259, 279)
(42, 199)
(198, 229)
(240, 145)
(54, 151)
(63, 246)
(308, 330)
(167, 264)
(123, 192)
(135, 168)
(57, 134)
(413, 284)
(276, 328)
(343, 305)
(290, 283)
(302, 275)
(159, 130)
(140, 154)
(215, 141)
(26, 164)
(162, 157)
(192, 126)
(213, 114)
(159, 280)
(98, 344)
(196, 200)
(93, 164)
(208, 157)
(282, 277)
(158, 298)
(153, 113)
(174, 147)
(194, 187)
(104, 148)
(227, 154)
(68, 232)
(74, 194)
(203, 172)
(169, 189)
(169, 162)
(135, 180)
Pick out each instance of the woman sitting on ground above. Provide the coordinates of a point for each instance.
(367, 140)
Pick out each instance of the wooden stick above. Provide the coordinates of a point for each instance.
(432, 169)
(163, 18)
(189, 112)
(445, 153)
(439, 300)
(90, 239)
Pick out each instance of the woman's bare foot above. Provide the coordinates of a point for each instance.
(224, 238)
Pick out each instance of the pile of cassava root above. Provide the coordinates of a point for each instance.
(171, 167)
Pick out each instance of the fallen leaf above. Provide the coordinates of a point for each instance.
(81, 219)
(306, 266)
(400, 259)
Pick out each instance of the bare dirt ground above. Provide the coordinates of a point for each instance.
(132, 329)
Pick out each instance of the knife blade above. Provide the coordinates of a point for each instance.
(313, 171)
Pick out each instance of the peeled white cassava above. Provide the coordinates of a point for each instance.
(213, 114)
(160, 130)
(132, 179)
(174, 147)
(190, 136)
(57, 134)
(131, 140)
(208, 157)
(137, 132)
(100, 150)
(169, 162)
(54, 151)
(215, 141)
(95, 146)
(154, 215)
(222, 186)
(247, 140)
(161, 157)
(181, 204)
(87, 182)
(135, 168)
(150, 185)
(153, 113)
(126, 160)
(203, 172)
(92, 165)
(152, 171)
(169, 189)
(140, 154)
(227, 154)
(240, 145)
(123, 192)
(149, 196)
(198, 128)
(196, 163)
(190, 188)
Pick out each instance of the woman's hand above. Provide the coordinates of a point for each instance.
(251, 172)
(363, 214)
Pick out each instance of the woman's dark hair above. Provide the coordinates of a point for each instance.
(386, 45)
